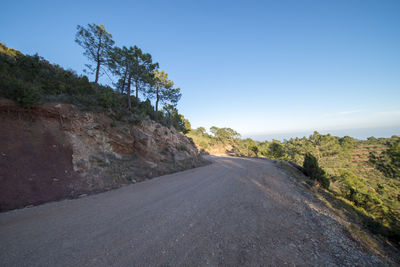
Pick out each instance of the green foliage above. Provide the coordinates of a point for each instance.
(25, 79)
(339, 164)
(346, 142)
(224, 135)
(10, 52)
(181, 147)
(277, 151)
(106, 97)
(313, 170)
(132, 66)
(30, 80)
(204, 144)
(346, 161)
(145, 108)
(186, 124)
(175, 119)
(201, 131)
(163, 90)
(388, 161)
(97, 43)
(254, 148)
(355, 190)
(25, 94)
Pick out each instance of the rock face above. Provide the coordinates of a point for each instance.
(56, 151)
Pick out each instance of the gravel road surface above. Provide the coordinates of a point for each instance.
(234, 212)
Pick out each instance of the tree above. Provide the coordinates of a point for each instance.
(132, 66)
(163, 89)
(97, 43)
(388, 161)
(312, 169)
(276, 150)
(177, 120)
(119, 65)
(201, 130)
(224, 134)
(142, 71)
(186, 123)
(214, 130)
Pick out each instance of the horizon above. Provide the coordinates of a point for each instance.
(359, 134)
(261, 68)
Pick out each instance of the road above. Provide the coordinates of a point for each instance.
(234, 212)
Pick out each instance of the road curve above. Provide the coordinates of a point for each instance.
(234, 212)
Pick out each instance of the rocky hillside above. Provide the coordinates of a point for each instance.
(55, 151)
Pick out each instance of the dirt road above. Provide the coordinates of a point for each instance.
(233, 212)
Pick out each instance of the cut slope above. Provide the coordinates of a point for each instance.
(56, 151)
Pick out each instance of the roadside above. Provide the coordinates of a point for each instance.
(345, 214)
(236, 211)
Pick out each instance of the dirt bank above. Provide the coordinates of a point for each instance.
(56, 151)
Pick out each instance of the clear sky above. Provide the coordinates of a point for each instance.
(259, 67)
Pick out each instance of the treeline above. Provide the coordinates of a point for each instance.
(364, 173)
(30, 80)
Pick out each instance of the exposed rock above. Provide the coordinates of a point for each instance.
(84, 150)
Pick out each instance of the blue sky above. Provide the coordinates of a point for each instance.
(263, 68)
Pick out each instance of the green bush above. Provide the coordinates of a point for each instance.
(204, 144)
(30, 79)
(312, 169)
(388, 162)
(106, 97)
(181, 147)
(277, 151)
(25, 94)
(355, 190)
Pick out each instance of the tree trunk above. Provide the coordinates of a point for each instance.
(137, 89)
(97, 73)
(129, 91)
(123, 81)
(157, 99)
(98, 61)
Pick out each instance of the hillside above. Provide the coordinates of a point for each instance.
(55, 151)
(63, 136)
(362, 176)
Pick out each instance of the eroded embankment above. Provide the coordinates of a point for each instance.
(56, 151)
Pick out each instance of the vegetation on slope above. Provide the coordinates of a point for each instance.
(363, 173)
(31, 80)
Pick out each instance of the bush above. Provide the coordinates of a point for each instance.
(28, 95)
(277, 151)
(181, 147)
(25, 94)
(388, 162)
(355, 190)
(106, 97)
(204, 144)
(313, 170)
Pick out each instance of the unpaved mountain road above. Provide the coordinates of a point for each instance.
(234, 212)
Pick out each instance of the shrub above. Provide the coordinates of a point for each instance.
(355, 190)
(181, 147)
(106, 97)
(313, 170)
(204, 144)
(25, 94)
(277, 151)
